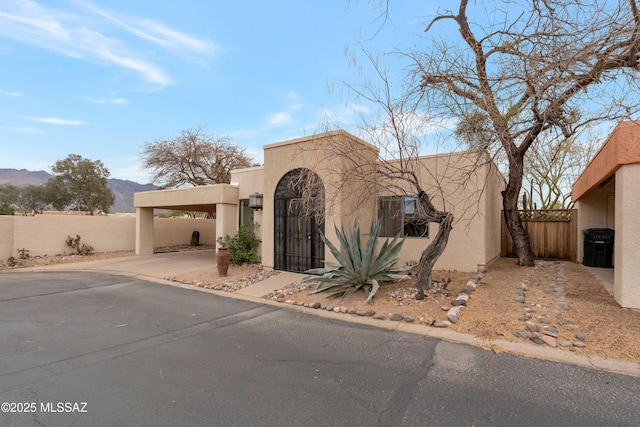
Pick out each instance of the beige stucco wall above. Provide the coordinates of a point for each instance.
(314, 153)
(469, 188)
(626, 289)
(493, 213)
(6, 236)
(46, 234)
(464, 184)
(177, 231)
(248, 181)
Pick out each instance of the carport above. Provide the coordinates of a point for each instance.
(221, 199)
(607, 196)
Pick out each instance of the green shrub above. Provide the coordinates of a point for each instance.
(359, 268)
(243, 247)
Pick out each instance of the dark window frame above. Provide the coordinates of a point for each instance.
(400, 214)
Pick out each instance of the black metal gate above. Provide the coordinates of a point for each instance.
(297, 243)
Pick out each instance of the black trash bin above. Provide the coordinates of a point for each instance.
(598, 247)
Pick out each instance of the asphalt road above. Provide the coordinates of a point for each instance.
(90, 349)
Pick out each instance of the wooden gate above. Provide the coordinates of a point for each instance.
(553, 234)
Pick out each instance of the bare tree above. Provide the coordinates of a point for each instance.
(528, 66)
(193, 158)
(549, 170)
(552, 168)
(399, 169)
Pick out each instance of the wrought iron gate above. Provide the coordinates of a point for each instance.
(297, 243)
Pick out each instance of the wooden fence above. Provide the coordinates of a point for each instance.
(553, 234)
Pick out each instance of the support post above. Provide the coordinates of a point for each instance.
(144, 231)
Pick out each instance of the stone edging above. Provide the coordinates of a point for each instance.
(453, 312)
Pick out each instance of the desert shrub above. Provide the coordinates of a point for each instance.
(23, 253)
(5, 209)
(81, 249)
(358, 268)
(243, 246)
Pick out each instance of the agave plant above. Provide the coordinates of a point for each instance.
(358, 268)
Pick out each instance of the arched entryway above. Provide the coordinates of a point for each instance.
(297, 226)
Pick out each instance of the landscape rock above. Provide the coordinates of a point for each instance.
(426, 320)
(537, 340)
(396, 317)
(532, 327)
(543, 319)
(454, 314)
(441, 324)
(550, 341)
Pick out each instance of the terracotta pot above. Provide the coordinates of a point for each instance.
(222, 261)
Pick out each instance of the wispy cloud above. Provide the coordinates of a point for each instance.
(57, 121)
(281, 119)
(116, 101)
(12, 93)
(97, 36)
(155, 32)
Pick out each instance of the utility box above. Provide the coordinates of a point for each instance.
(598, 247)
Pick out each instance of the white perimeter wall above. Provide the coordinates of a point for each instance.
(46, 234)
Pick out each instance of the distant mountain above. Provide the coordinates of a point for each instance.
(122, 189)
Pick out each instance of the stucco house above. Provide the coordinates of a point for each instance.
(347, 186)
(607, 195)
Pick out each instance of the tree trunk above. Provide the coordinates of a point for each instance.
(431, 254)
(512, 215)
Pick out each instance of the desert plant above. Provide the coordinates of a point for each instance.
(23, 253)
(243, 247)
(358, 268)
(83, 249)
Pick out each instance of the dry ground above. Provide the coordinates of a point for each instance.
(492, 311)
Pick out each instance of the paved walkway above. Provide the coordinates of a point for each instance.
(605, 275)
(158, 266)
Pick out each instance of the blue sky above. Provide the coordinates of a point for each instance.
(101, 78)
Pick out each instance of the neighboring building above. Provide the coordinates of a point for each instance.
(607, 195)
(348, 186)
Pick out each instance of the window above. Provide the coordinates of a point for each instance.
(401, 215)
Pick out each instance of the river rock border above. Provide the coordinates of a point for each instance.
(539, 328)
(454, 310)
(230, 286)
